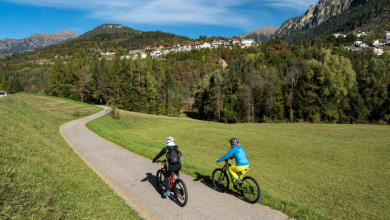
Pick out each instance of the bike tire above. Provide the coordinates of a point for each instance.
(251, 189)
(160, 180)
(180, 192)
(220, 180)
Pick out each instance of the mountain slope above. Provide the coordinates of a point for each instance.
(262, 34)
(317, 15)
(366, 16)
(39, 40)
(107, 29)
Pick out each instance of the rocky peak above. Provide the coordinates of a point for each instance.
(317, 14)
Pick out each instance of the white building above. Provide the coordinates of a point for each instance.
(198, 46)
(235, 41)
(377, 43)
(127, 57)
(339, 35)
(206, 45)
(359, 43)
(387, 35)
(248, 42)
(378, 51)
(107, 53)
(155, 53)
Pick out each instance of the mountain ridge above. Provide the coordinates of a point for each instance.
(261, 34)
(107, 29)
(316, 15)
(361, 15)
(36, 40)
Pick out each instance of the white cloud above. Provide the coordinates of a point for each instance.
(291, 4)
(155, 11)
(218, 12)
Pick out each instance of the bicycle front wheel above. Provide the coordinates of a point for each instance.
(250, 189)
(180, 192)
(160, 181)
(220, 180)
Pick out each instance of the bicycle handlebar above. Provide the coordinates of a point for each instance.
(161, 161)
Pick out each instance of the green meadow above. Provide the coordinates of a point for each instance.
(308, 171)
(41, 176)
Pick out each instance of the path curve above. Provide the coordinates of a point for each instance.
(132, 177)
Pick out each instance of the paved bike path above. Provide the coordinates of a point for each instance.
(133, 177)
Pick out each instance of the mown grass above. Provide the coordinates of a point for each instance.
(41, 176)
(308, 171)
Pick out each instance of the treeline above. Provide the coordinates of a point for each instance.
(373, 12)
(103, 29)
(274, 84)
(135, 85)
(132, 41)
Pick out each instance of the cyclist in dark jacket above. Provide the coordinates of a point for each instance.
(172, 168)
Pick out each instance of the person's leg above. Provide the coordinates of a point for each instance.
(167, 174)
(243, 169)
(177, 174)
(233, 170)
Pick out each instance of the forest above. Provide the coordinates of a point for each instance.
(272, 82)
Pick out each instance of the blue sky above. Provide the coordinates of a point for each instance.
(21, 18)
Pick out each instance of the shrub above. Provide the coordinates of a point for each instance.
(114, 113)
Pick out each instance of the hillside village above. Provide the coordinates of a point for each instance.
(155, 52)
(377, 45)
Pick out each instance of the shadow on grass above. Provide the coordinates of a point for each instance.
(193, 115)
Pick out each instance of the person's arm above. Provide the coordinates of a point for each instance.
(162, 152)
(230, 153)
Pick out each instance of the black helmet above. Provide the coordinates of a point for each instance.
(233, 141)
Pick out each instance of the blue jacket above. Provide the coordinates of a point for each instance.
(238, 152)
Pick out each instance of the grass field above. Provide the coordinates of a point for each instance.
(41, 176)
(308, 171)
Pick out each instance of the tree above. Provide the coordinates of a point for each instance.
(151, 88)
(85, 79)
(116, 76)
(292, 77)
(104, 87)
(4, 83)
(56, 78)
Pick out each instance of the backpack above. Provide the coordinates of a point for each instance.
(173, 155)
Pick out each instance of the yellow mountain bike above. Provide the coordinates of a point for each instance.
(249, 188)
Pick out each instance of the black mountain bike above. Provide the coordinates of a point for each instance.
(249, 188)
(177, 186)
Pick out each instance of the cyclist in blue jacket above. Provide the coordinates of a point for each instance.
(242, 163)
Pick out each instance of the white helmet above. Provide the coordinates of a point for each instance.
(170, 139)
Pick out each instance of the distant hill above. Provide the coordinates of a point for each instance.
(337, 16)
(262, 34)
(35, 41)
(107, 29)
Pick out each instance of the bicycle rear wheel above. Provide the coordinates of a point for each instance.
(220, 180)
(160, 181)
(250, 189)
(180, 192)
